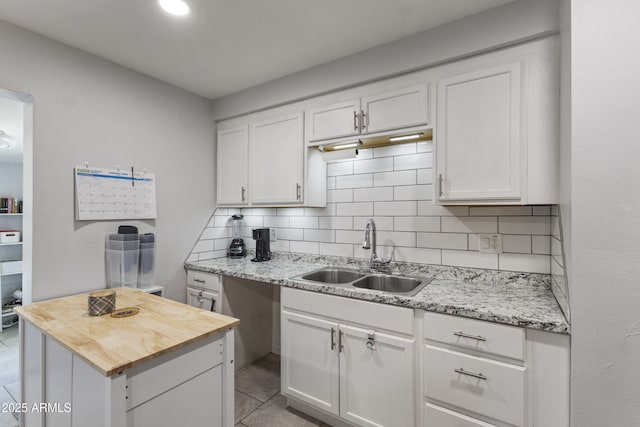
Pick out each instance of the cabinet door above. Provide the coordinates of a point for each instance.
(233, 160)
(277, 161)
(376, 384)
(310, 360)
(395, 109)
(333, 121)
(478, 136)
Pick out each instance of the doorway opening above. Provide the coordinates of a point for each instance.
(16, 172)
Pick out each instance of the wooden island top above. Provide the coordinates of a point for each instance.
(112, 345)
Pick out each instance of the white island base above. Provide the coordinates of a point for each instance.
(192, 385)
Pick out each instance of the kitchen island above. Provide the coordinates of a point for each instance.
(165, 365)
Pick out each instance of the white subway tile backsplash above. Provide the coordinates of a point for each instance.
(331, 183)
(193, 257)
(329, 210)
(499, 210)
(336, 249)
(345, 195)
(374, 194)
(413, 192)
(407, 208)
(336, 223)
(469, 259)
(276, 221)
(382, 222)
(555, 226)
(354, 181)
(280, 245)
(290, 234)
(413, 161)
(385, 179)
(261, 211)
(424, 147)
(541, 245)
(373, 165)
(396, 238)
(424, 176)
(382, 251)
(340, 168)
(524, 262)
(515, 243)
(215, 233)
(203, 246)
(347, 236)
(353, 209)
(304, 222)
(221, 244)
(222, 221)
(366, 153)
(311, 235)
(290, 211)
(421, 255)
(469, 224)
(305, 247)
(442, 241)
(395, 150)
(417, 223)
(556, 247)
(253, 221)
(540, 225)
(427, 208)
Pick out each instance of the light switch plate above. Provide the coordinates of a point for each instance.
(273, 236)
(490, 243)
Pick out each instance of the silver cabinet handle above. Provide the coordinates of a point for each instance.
(470, 374)
(473, 337)
(213, 304)
(371, 340)
(355, 120)
(333, 338)
(199, 281)
(244, 190)
(440, 184)
(297, 191)
(364, 124)
(340, 346)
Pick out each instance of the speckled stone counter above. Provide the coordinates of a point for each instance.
(519, 299)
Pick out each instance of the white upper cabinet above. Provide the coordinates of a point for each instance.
(233, 160)
(395, 109)
(478, 131)
(496, 134)
(378, 112)
(335, 120)
(276, 159)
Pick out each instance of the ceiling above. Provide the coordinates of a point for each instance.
(224, 46)
(11, 115)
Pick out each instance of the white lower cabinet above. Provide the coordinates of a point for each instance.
(442, 417)
(351, 370)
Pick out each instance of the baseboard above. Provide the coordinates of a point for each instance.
(318, 414)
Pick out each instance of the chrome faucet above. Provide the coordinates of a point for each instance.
(369, 242)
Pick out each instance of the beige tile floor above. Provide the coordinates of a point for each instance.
(258, 399)
(8, 373)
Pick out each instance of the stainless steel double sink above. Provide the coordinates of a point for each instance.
(344, 277)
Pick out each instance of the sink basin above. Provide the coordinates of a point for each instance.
(333, 275)
(393, 284)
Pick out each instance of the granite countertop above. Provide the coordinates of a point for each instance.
(110, 344)
(519, 299)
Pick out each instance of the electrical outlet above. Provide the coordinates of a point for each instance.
(490, 243)
(273, 236)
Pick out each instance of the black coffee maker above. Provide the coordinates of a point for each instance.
(263, 244)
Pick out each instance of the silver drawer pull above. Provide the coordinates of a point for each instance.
(473, 337)
(198, 280)
(470, 374)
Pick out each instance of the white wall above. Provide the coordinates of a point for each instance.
(515, 22)
(605, 215)
(88, 109)
(11, 180)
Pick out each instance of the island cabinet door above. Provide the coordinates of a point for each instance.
(310, 360)
(376, 378)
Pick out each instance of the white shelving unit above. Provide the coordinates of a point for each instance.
(9, 282)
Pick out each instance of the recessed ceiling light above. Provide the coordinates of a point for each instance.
(175, 7)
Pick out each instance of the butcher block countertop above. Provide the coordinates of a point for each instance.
(112, 345)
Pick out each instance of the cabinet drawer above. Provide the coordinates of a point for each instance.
(435, 416)
(197, 279)
(501, 340)
(479, 385)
